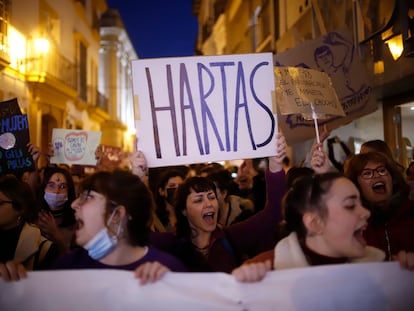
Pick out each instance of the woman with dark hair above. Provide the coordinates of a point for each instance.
(201, 244)
(385, 192)
(232, 208)
(164, 217)
(56, 217)
(326, 221)
(113, 217)
(20, 240)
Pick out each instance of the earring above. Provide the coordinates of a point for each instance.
(19, 219)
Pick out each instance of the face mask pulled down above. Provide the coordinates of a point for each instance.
(103, 243)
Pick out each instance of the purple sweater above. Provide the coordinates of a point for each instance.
(79, 259)
(230, 246)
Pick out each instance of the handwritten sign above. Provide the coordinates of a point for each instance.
(207, 108)
(74, 146)
(14, 155)
(376, 286)
(299, 88)
(335, 55)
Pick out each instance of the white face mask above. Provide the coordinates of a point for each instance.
(102, 243)
(55, 200)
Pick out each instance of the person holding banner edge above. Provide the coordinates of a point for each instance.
(112, 224)
(200, 243)
(326, 220)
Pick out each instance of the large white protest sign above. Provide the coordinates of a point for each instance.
(367, 286)
(335, 55)
(74, 146)
(205, 108)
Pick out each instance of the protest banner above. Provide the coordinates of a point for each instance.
(204, 108)
(335, 55)
(74, 146)
(14, 137)
(364, 286)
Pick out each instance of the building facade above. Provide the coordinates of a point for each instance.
(67, 62)
(250, 26)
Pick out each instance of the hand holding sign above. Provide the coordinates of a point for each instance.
(138, 162)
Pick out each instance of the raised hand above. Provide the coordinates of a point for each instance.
(276, 162)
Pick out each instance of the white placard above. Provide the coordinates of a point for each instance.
(74, 146)
(366, 286)
(205, 108)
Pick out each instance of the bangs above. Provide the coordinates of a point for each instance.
(202, 185)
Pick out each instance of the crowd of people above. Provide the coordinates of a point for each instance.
(201, 219)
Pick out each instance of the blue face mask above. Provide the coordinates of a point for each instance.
(102, 243)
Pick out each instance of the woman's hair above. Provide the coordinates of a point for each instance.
(356, 163)
(68, 213)
(21, 194)
(381, 146)
(160, 205)
(121, 187)
(197, 184)
(307, 195)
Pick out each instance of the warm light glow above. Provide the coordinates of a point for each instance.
(41, 45)
(379, 67)
(17, 47)
(395, 44)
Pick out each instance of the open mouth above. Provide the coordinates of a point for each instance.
(78, 224)
(209, 218)
(359, 235)
(379, 187)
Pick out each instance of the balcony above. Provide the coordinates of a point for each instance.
(50, 68)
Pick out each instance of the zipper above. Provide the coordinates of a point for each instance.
(387, 239)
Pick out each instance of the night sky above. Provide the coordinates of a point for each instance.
(159, 28)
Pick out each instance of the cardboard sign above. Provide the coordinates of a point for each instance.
(373, 286)
(14, 155)
(208, 108)
(74, 146)
(335, 55)
(111, 157)
(306, 91)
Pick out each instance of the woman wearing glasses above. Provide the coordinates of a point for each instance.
(56, 217)
(385, 192)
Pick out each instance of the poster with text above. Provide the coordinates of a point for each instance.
(307, 92)
(14, 137)
(204, 108)
(335, 55)
(75, 146)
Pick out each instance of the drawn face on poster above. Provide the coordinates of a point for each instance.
(335, 55)
(75, 146)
